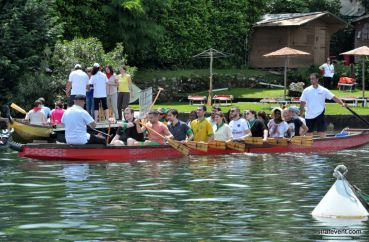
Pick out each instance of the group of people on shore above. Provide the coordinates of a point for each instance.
(101, 86)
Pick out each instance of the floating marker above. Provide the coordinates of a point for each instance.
(340, 201)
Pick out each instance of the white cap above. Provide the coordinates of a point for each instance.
(96, 65)
(77, 66)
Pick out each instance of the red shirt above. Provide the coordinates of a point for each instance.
(161, 129)
(56, 116)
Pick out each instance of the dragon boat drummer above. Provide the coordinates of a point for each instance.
(75, 121)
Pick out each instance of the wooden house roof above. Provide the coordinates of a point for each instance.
(297, 19)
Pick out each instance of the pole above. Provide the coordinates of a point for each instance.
(210, 78)
(363, 73)
(285, 78)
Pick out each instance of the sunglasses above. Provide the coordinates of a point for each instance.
(232, 111)
(247, 113)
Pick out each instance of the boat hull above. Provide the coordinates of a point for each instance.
(130, 153)
(28, 132)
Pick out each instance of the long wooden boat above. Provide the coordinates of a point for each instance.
(356, 138)
(29, 132)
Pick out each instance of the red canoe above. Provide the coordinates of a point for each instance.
(357, 137)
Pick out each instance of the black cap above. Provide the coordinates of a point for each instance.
(80, 97)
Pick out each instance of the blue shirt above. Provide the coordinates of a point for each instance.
(180, 130)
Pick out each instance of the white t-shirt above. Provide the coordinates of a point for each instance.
(224, 133)
(99, 80)
(277, 130)
(37, 118)
(239, 128)
(315, 100)
(328, 70)
(75, 120)
(79, 80)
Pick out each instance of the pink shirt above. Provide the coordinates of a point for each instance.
(56, 116)
(161, 129)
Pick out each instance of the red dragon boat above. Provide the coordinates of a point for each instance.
(353, 138)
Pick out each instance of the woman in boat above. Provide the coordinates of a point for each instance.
(130, 132)
(221, 130)
(257, 127)
(36, 116)
(262, 116)
(57, 114)
(277, 126)
(295, 126)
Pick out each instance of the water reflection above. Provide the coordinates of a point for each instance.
(235, 197)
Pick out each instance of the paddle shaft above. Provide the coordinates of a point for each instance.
(357, 115)
(156, 98)
(97, 131)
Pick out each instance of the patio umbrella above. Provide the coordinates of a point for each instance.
(361, 51)
(287, 53)
(211, 54)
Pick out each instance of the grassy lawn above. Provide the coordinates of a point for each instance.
(272, 93)
(332, 108)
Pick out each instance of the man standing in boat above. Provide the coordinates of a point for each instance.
(77, 84)
(201, 127)
(75, 121)
(313, 97)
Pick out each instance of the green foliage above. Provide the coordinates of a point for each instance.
(304, 6)
(28, 27)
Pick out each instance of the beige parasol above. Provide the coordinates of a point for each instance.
(286, 52)
(360, 51)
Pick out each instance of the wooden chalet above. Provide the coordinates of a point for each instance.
(361, 25)
(309, 32)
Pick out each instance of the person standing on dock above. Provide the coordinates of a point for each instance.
(328, 73)
(313, 97)
(77, 84)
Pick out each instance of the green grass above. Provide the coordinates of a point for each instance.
(272, 93)
(331, 108)
(147, 75)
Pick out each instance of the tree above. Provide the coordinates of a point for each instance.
(28, 28)
(304, 6)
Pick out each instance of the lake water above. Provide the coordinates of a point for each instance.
(252, 197)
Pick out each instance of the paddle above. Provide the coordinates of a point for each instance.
(357, 115)
(17, 108)
(176, 145)
(197, 145)
(156, 98)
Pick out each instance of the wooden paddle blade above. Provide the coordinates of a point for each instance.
(278, 141)
(19, 109)
(217, 144)
(253, 140)
(178, 146)
(236, 145)
(197, 145)
(302, 140)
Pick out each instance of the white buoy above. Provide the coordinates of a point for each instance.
(340, 201)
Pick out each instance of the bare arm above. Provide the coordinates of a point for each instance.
(339, 101)
(265, 135)
(68, 86)
(92, 124)
(302, 108)
(303, 129)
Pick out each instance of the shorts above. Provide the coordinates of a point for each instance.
(317, 123)
(103, 102)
